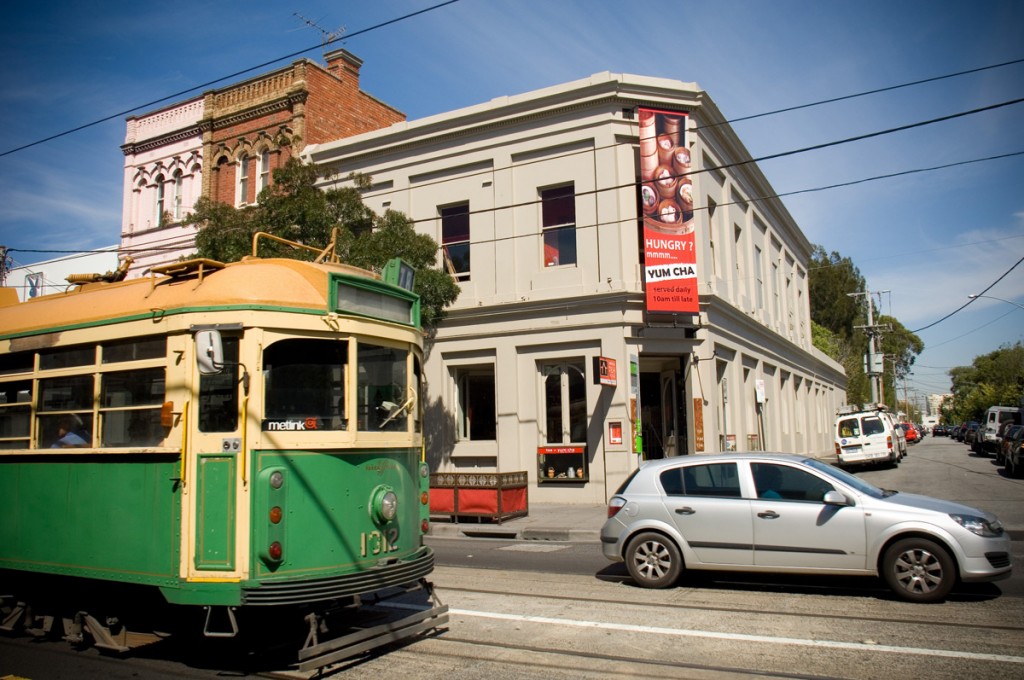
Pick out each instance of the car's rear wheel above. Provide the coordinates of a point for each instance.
(653, 560)
(919, 570)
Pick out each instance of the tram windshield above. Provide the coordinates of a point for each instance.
(304, 383)
(383, 402)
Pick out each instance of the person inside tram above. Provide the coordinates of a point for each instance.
(71, 433)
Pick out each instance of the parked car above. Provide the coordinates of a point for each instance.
(778, 513)
(1014, 456)
(971, 433)
(866, 435)
(990, 429)
(1006, 440)
(911, 432)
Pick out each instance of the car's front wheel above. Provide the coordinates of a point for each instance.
(653, 560)
(919, 570)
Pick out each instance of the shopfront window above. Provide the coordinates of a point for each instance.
(562, 454)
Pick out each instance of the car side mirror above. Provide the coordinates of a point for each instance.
(833, 497)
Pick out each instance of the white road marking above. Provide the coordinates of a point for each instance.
(534, 547)
(682, 632)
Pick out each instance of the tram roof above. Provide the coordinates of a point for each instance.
(254, 283)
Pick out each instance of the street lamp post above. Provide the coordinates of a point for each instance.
(975, 296)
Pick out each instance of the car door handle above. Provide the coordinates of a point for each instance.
(768, 514)
(685, 510)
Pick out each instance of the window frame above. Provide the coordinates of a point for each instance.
(159, 202)
(451, 216)
(263, 171)
(553, 230)
(242, 181)
(466, 397)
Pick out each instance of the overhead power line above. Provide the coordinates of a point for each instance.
(330, 39)
(971, 300)
(863, 94)
(236, 74)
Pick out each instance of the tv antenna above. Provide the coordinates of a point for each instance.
(326, 37)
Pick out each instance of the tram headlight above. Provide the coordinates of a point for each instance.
(384, 504)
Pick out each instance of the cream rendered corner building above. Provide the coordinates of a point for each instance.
(534, 199)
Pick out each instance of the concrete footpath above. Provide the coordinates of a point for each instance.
(546, 522)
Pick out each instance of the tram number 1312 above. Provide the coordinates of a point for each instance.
(377, 542)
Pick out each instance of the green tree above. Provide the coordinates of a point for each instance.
(834, 313)
(993, 379)
(831, 280)
(294, 208)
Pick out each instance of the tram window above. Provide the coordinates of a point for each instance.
(121, 393)
(304, 379)
(15, 414)
(134, 350)
(218, 393)
(417, 374)
(53, 428)
(19, 362)
(132, 428)
(67, 356)
(67, 393)
(132, 388)
(382, 401)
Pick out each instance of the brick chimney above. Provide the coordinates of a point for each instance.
(344, 65)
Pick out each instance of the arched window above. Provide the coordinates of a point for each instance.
(179, 185)
(264, 179)
(242, 194)
(159, 218)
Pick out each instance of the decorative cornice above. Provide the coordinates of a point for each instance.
(155, 143)
(283, 104)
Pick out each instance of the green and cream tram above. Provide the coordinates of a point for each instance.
(244, 439)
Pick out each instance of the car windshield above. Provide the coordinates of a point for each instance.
(847, 479)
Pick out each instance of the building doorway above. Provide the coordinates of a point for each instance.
(663, 407)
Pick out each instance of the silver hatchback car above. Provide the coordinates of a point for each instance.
(791, 514)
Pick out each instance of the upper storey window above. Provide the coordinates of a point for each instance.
(242, 192)
(455, 239)
(179, 186)
(264, 171)
(160, 200)
(558, 219)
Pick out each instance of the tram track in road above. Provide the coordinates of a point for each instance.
(675, 606)
(575, 663)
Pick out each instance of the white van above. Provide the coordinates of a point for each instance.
(865, 435)
(990, 429)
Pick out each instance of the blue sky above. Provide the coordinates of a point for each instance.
(929, 238)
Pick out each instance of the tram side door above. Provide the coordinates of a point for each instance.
(215, 454)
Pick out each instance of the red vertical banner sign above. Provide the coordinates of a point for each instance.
(666, 200)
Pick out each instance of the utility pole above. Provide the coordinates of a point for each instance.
(874, 364)
(3, 265)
